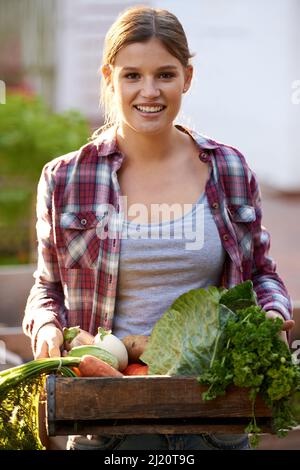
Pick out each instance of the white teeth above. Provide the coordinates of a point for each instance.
(150, 109)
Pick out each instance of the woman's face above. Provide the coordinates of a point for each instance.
(147, 83)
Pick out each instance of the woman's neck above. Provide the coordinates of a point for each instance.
(148, 149)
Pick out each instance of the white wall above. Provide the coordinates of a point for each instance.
(81, 30)
(246, 63)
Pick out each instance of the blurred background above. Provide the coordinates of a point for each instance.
(246, 93)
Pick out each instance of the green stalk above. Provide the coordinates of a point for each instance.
(15, 375)
(215, 349)
(67, 372)
(23, 368)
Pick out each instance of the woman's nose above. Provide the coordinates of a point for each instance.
(150, 89)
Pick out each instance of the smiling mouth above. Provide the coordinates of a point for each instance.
(150, 109)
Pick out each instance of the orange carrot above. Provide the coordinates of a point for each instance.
(91, 366)
(77, 371)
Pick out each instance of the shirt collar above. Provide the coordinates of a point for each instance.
(203, 141)
(107, 143)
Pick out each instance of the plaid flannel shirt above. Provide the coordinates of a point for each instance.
(76, 276)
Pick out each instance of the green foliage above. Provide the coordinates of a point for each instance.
(256, 358)
(225, 339)
(30, 136)
(183, 340)
(20, 391)
(186, 338)
(19, 422)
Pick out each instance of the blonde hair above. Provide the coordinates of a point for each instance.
(140, 24)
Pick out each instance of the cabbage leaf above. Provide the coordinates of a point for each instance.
(187, 337)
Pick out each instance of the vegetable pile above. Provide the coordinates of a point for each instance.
(22, 386)
(220, 336)
(223, 337)
(79, 342)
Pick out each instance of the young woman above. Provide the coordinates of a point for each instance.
(96, 266)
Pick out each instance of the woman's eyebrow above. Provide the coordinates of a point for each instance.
(163, 67)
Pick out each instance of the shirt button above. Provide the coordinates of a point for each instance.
(225, 237)
(215, 205)
(83, 221)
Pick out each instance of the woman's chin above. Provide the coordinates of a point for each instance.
(150, 128)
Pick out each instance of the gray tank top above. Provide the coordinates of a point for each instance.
(160, 262)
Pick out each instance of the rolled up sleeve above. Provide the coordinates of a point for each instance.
(269, 287)
(45, 303)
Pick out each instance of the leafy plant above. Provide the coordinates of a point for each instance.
(256, 358)
(20, 390)
(30, 135)
(224, 338)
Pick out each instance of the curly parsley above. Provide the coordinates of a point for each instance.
(256, 358)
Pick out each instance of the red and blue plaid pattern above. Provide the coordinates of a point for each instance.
(76, 276)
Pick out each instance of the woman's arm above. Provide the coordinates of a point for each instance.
(45, 304)
(271, 292)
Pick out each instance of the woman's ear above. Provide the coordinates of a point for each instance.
(107, 75)
(188, 78)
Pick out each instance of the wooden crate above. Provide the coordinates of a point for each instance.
(145, 405)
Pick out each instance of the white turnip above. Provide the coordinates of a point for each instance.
(75, 336)
(106, 340)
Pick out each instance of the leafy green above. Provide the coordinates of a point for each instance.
(186, 338)
(225, 338)
(184, 342)
(20, 391)
(19, 424)
(256, 358)
(239, 296)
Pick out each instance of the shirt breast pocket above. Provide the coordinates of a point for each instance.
(80, 238)
(242, 218)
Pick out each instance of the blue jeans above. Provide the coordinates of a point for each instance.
(210, 441)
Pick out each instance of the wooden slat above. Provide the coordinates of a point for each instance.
(144, 405)
(64, 428)
(145, 397)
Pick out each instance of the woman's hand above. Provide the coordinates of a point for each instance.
(48, 343)
(287, 324)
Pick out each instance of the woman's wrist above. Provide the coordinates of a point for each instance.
(274, 313)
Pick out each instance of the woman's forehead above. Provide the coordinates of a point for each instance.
(141, 54)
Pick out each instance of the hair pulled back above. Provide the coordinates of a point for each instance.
(140, 24)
